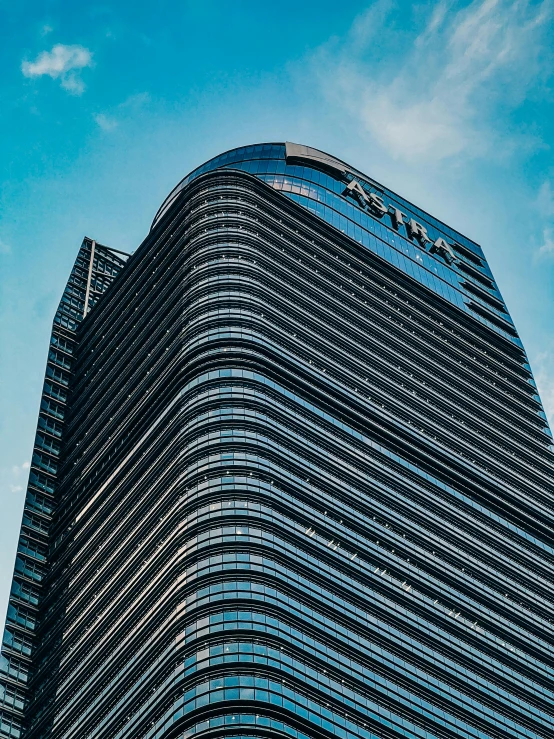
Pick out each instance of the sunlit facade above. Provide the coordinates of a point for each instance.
(305, 485)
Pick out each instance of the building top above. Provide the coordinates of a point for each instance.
(422, 246)
(300, 154)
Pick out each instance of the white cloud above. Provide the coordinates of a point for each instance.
(5, 248)
(63, 63)
(46, 29)
(435, 98)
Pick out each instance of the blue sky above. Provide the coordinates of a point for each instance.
(104, 107)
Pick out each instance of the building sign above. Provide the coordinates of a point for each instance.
(375, 204)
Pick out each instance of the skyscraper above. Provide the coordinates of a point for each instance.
(305, 485)
(93, 271)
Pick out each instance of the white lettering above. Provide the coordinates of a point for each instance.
(443, 248)
(417, 231)
(397, 217)
(377, 203)
(354, 188)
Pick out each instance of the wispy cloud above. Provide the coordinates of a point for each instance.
(546, 249)
(545, 200)
(545, 208)
(544, 376)
(17, 477)
(109, 121)
(63, 63)
(435, 97)
(5, 248)
(46, 29)
(105, 122)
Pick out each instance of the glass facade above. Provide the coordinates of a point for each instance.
(305, 485)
